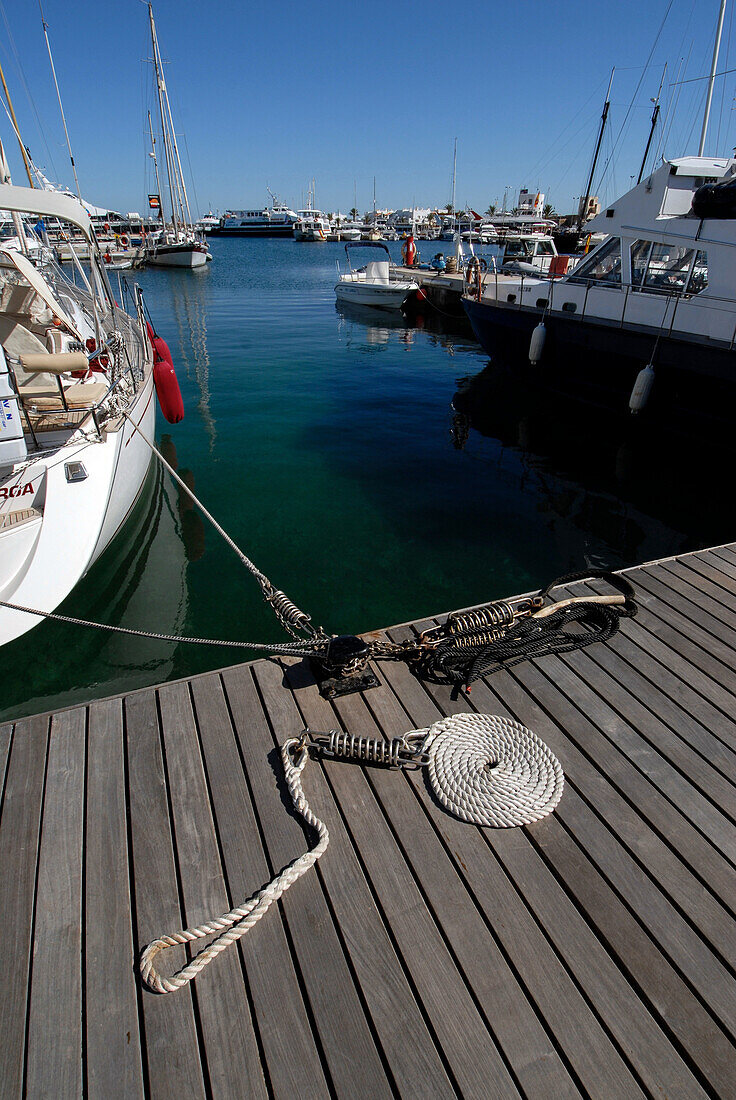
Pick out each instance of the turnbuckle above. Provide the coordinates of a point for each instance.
(399, 752)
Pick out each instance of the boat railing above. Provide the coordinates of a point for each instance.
(672, 295)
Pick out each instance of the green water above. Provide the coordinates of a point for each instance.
(326, 444)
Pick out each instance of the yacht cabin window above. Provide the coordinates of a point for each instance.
(603, 267)
(668, 267)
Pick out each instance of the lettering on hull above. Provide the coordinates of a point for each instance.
(9, 491)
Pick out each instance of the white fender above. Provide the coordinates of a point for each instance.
(642, 388)
(536, 344)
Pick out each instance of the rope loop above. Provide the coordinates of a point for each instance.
(232, 926)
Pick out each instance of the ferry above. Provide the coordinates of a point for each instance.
(272, 221)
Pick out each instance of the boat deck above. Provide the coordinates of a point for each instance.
(591, 954)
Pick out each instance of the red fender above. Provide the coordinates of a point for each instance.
(165, 380)
(167, 391)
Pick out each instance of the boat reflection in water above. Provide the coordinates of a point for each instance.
(190, 518)
(139, 582)
(189, 306)
(641, 491)
(364, 326)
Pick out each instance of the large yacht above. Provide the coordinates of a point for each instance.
(658, 294)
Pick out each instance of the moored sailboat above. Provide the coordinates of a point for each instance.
(176, 244)
(76, 384)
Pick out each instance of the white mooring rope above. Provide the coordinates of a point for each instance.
(484, 769)
(490, 770)
(238, 921)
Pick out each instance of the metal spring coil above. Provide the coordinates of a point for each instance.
(481, 638)
(287, 611)
(495, 615)
(372, 750)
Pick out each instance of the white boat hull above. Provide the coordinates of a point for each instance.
(379, 295)
(44, 557)
(176, 256)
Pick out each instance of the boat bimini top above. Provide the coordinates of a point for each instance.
(46, 204)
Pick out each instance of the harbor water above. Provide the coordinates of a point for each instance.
(378, 470)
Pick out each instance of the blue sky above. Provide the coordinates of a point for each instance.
(282, 93)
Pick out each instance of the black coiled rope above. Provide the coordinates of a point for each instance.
(461, 659)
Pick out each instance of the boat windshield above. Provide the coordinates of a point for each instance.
(604, 266)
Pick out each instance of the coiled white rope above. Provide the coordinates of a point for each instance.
(489, 770)
(233, 925)
(484, 769)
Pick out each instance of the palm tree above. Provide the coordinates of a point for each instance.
(448, 208)
(491, 209)
(353, 213)
(548, 210)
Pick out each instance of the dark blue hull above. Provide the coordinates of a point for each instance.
(599, 362)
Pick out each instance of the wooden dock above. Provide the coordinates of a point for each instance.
(589, 955)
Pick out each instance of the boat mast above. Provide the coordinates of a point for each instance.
(161, 89)
(604, 116)
(58, 96)
(655, 116)
(711, 81)
(23, 151)
(155, 168)
(454, 173)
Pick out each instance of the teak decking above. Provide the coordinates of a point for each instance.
(591, 954)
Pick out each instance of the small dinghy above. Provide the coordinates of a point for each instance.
(376, 284)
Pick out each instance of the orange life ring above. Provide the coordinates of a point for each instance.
(124, 241)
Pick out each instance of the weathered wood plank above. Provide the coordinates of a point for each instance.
(633, 950)
(6, 736)
(112, 1036)
(657, 665)
(648, 744)
(19, 833)
(577, 951)
(685, 615)
(291, 1059)
(467, 1042)
(674, 936)
(658, 834)
(348, 1047)
(230, 1046)
(656, 619)
(700, 591)
(54, 1063)
(707, 570)
(171, 1049)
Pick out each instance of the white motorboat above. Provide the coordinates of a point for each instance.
(376, 284)
(311, 225)
(73, 368)
(176, 244)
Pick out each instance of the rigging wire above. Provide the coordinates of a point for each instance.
(58, 95)
(723, 89)
(26, 89)
(627, 116)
